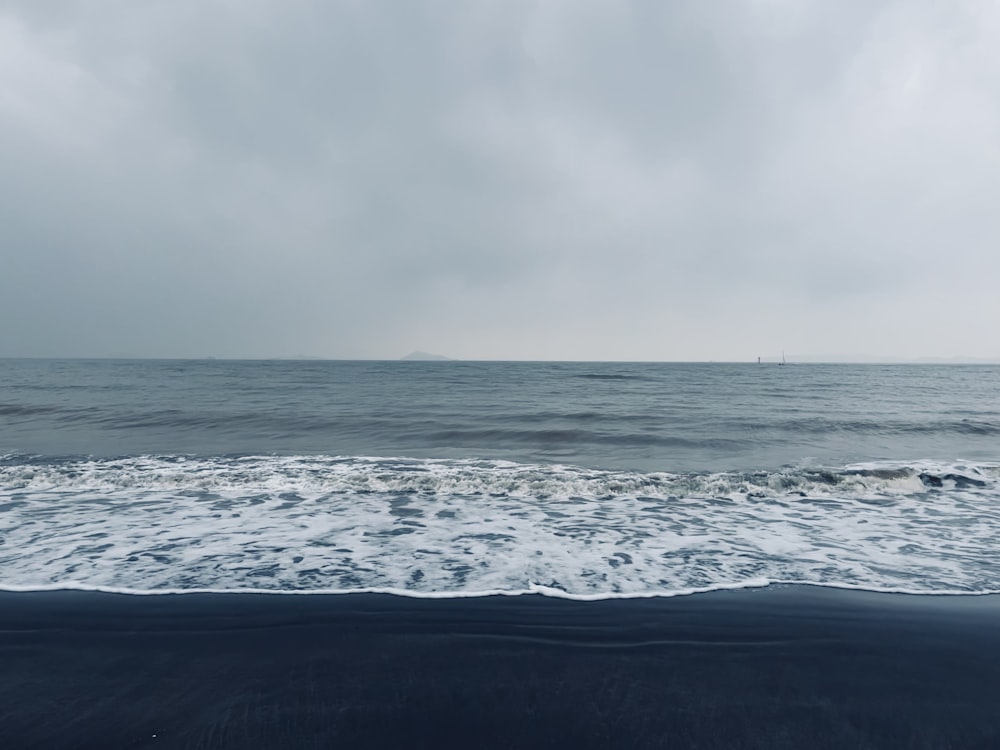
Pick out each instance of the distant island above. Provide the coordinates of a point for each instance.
(426, 357)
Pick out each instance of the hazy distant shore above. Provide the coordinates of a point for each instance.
(425, 357)
(779, 667)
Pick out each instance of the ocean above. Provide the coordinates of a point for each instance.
(236, 554)
(586, 480)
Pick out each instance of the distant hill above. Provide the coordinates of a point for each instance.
(426, 357)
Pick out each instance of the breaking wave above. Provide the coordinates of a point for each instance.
(462, 527)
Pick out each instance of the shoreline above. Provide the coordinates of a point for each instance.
(545, 592)
(780, 666)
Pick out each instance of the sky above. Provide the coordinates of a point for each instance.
(553, 179)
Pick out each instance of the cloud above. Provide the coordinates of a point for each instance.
(516, 180)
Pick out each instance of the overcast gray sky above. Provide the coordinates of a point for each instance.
(553, 179)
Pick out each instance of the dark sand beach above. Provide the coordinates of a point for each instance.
(783, 667)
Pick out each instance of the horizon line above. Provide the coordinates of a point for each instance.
(771, 359)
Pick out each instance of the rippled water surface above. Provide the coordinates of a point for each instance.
(454, 478)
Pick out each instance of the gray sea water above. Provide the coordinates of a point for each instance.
(588, 480)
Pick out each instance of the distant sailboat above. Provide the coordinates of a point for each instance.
(782, 359)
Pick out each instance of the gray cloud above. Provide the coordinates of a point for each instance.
(511, 180)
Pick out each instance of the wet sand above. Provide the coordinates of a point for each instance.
(783, 667)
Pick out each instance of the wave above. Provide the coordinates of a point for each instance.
(316, 475)
(464, 527)
(610, 376)
(531, 591)
(818, 426)
(514, 424)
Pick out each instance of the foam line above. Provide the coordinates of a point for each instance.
(458, 528)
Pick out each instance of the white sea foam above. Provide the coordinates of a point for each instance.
(409, 593)
(465, 528)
